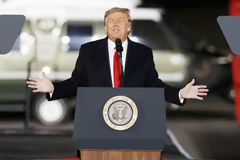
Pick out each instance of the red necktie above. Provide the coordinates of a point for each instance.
(117, 70)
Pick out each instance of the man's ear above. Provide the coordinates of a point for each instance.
(105, 25)
(129, 27)
(105, 28)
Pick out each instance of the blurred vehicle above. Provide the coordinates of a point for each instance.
(54, 32)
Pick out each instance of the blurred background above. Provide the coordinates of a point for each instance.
(186, 41)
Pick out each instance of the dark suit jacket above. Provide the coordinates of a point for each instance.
(92, 70)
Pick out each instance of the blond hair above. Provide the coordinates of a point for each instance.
(117, 9)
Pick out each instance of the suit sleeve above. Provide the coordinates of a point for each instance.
(151, 80)
(69, 86)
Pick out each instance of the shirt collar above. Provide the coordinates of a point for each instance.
(112, 45)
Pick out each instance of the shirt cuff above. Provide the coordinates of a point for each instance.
(181, 100)
(50, 95)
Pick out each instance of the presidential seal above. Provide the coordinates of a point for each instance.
(120, 113)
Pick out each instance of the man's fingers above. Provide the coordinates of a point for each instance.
(191, 83)
(199, 98)
(33, 79)
(201, 86)
(31, 82)
(36, 90)
(202, 94)
(203, 90)
(44, 75)
(32, 86)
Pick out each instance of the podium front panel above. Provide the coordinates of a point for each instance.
(147, 133)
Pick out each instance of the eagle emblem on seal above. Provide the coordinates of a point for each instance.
(120, 113)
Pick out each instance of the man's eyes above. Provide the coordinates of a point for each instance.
(119, 20)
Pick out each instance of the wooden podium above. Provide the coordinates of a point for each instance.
(120, 155)
(101, 132)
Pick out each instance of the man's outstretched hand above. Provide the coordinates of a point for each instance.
(194, 92)
(41, 85)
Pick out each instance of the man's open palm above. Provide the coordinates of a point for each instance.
(191, 91)
(41, 85)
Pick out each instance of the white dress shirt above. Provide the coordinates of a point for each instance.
(111, 51)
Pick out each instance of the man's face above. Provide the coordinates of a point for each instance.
(117, 26)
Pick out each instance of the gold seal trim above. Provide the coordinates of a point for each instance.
(134, 113)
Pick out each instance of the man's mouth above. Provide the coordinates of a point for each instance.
(115, 30)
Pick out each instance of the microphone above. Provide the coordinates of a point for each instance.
(119, 49)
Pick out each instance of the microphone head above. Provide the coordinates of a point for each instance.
(118, 42)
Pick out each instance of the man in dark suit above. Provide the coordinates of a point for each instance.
(98, 65)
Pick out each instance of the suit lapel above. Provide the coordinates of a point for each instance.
(104, 59)
(131, 60)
